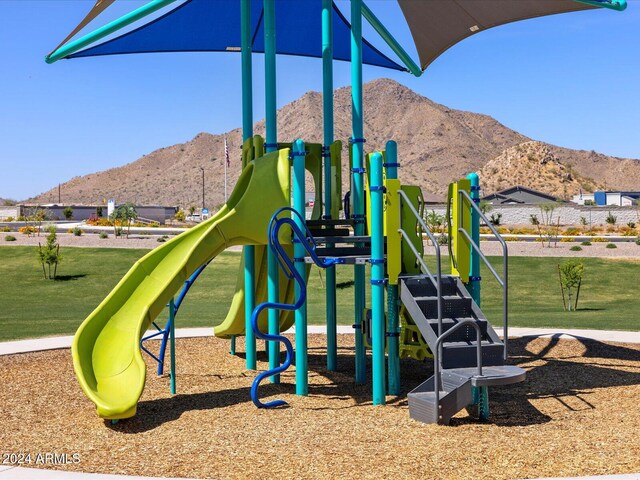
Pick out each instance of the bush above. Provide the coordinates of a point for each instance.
(68, 213)
(10, 219)
(9, 238)
(611, 219)
(5, 229)
(103, 235)
(586, 243)
(576, 248)
(631, 224)
(49, 255)
(77, 231)
(567, 240)
(638, 241)
(571, 273)
(180, 216)
(100, 222)
(154, 225)
(600, 240)
(571, 231)
(161, 240)
(118, 231)
(611, 245)
(28, 230)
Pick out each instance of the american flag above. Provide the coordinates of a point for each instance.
(226, 152)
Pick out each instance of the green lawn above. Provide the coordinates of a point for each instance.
(32, 306)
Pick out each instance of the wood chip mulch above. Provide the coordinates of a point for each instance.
(577, 414)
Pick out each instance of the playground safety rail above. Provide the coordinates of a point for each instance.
(437, 281)
(288, 267)
(502, 281)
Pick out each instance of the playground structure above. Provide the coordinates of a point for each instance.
(427, 313)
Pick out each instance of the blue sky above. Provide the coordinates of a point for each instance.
(572, 80)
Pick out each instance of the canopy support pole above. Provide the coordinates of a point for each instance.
(327, 115)
(357, 195)
(247, 133)
(391, 41)
(108, 29)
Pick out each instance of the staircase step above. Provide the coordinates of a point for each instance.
(452, 307)
(464, 334)
(329, 232)
(497, 375)
(422, 286)
(329, 222)
(463, 354)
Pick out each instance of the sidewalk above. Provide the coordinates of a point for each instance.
(53, 343)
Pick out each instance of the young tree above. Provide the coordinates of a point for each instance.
(124, 213)
(49, 255)
(570, 273)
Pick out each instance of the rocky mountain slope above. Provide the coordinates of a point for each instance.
(436, 145)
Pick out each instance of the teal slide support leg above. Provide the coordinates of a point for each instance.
(327, 114)
(232, 345)
(172, 345)
(274, 314)
(393, 327)
(302, 368)
(247, 132)
(357, 195)
(474, 272)
(377, 281)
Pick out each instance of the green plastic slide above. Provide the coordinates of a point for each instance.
(106, 349)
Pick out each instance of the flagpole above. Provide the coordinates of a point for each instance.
(226, 156)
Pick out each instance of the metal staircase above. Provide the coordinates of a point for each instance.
(469, 356)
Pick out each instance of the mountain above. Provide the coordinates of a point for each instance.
(436, 145)
(534, 165)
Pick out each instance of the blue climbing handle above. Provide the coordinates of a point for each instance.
(275, 224)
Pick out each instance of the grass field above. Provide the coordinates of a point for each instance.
(33, 307)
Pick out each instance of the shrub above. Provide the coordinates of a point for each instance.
(10, 219)
(5, 229)
(9, 238)
(161, 240)
(611, 245)
(628, 231)
(49, 255)
(77, 231)
(567, 240)
(571, 231)
(638, 241)
(495, 218)
(103, 235)
(631, 224)
(180, 216)
(586, 243)
(68, 213)
(100, 222)
(511, 239)
(611, 219)
(576, 248)
(118, 231)
(589, 203)
(28, 230)
(154, 225)
(599, 240)
(583, 221)
(22, 218)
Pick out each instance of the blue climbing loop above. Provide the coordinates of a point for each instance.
(167, 328)
(288, 267)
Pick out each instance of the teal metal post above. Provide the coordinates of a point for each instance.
(474, 271)
(273, 348)
(108, 29)
(357, 195)
(393, 327)
(302, 369)
(247, 133)
(232, 345)
(377, 281)
(172, 345)
(327, 114)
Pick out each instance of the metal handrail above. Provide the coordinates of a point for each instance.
(438, 353)
(504, 281)
(437, 282)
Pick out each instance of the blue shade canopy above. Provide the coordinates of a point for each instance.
(214, 26)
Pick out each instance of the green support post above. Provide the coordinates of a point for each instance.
(247, 132)
(273, 348)
(302, 368)
(474, 271)
(327, 114)
(357, 195)
(377, 280)
(172, 346)
(393, 327)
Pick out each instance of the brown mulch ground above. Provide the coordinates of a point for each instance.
(577, 414)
